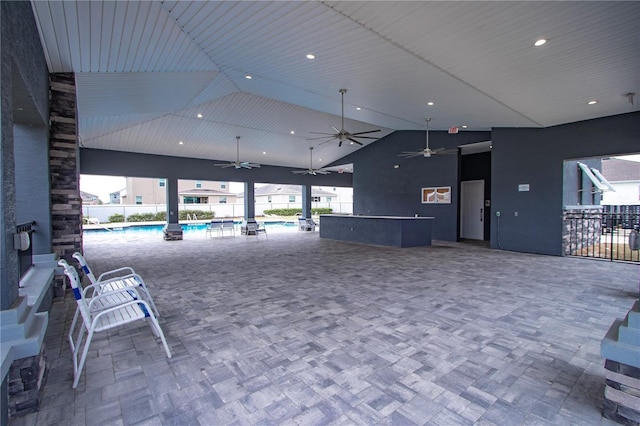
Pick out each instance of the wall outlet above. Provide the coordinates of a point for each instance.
(515, 214)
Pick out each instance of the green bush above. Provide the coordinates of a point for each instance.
(322, 210)
(182, 215)
(160, 217)
(116, 218)
(293, 212)
(141, 217)
(283, 212)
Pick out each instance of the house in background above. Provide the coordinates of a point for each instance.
(280, 194)
(624, 176)
(89, 198)
(153, 191)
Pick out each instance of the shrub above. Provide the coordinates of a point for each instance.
(283, 212)
(182, 215)
(116, 218)
(160, 217)
(322, 210)
(141, 217)
(293, 212)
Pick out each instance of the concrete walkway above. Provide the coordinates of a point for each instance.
(295, 330)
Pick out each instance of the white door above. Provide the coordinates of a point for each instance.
(472, 209)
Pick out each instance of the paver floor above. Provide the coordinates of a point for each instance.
(298, 330)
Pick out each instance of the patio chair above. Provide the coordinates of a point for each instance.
(228, 225)
(94, 321)
(214, 226)
(255, 229)
(306, 224)
(124, 277)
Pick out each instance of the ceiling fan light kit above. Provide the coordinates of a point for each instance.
(342, 135)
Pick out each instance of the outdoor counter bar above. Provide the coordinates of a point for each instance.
(397, 231)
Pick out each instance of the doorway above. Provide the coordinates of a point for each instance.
(472, 209)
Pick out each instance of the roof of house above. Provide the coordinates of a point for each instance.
(280, 189)
(617, 170)
(86, 196)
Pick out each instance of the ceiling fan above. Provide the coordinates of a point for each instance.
(343, 135)
(427, 152)
(238, 164)
(311, 170)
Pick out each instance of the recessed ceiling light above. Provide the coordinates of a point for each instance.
(593, 102)
(199, 115)
(311, 56)
(430, 103)
(181, 143)
(540, 42)
(358, 108)
(396, 166)
(264, 153)
(293, 132)
(464, 126)
(248, 77)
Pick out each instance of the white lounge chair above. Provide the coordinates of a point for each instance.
(94, 321)
(255, 229)
(227, 224)
(306, 224)
(115, 279)
(214, 226)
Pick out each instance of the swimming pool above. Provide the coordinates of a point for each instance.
(196, 228)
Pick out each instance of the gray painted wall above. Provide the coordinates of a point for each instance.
(116, 163)
(25, 85)
(536, 157)
(381, 189)
(33, 197)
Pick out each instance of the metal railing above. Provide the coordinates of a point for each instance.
(601, 235)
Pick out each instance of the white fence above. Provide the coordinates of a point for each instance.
(102, 212)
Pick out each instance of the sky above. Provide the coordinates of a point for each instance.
(102, 186)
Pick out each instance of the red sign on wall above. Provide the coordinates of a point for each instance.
(453, 130)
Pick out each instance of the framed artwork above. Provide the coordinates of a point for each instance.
(436, 195)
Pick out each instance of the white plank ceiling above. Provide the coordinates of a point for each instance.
(146, 69)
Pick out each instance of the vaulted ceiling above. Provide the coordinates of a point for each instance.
(152, 74)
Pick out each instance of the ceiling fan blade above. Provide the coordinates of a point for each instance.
(337, 131)
(323, 172)
(368, 131)
(447, 151)
(364, 137)
(328, 138)
(225, 165)
(353, 140)
(323, 133)
(411, 154)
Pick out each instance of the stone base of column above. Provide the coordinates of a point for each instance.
(622, 393)
(172, 232)
(25, 380)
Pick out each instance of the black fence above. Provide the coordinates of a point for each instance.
(604, 234)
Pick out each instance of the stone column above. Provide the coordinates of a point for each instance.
(172, 230)
(66, 202)
(249, 202)
(306, 201)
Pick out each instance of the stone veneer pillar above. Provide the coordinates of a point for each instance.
(66, 202)
(621, 350)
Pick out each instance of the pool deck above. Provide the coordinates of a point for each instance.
(297, 330)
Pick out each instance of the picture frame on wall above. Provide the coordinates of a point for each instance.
(436, 195)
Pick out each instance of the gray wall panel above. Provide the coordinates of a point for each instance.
(116, 163)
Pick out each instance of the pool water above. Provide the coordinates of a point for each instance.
(198, 228)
